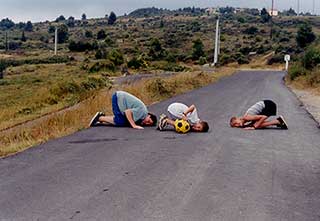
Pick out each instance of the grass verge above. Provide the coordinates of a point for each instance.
(75, 119)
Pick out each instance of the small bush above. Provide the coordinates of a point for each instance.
(241, 59)
(251, 30)
(101, 54)
(116, 57)
(173, 67)
(102, 66)
(135, 63)
(94, 83)
(63, 89)
(314, 78)
(81, 46)
(202, 60)
(311, 58)
(159, 87)
(296, 70)
(276, 59)
(226, 59)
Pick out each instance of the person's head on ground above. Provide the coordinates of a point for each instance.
(202, 126)
(150, 120)
(236, 122)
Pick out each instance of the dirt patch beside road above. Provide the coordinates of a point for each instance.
(311, 101)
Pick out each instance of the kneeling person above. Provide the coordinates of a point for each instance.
(128, 110)
(182, 111)
(257, 115)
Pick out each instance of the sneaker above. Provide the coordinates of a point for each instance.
(283, 124)
(95, 119)
(162, 122)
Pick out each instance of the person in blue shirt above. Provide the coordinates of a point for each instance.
(128, 110)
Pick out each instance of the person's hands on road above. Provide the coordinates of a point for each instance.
(138, 127)
(249, 128)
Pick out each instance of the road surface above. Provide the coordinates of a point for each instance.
(106, 173)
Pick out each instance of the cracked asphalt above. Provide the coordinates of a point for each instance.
(107, 173)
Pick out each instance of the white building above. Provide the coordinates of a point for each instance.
(275, 12)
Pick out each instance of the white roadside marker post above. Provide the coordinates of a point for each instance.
(287, 59)
(55, 40)
(216, 49)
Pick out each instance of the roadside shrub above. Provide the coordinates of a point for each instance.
(102, 66)
(197, 49)
(225, 59)
(314, 78)
(80, 46)
(136, 63)
(95, 83)
(101, 34)
(296, 70)
(276, 59)
(251, 30)
(173, 67)
(63, 89)
(101, 54)
(116, 57)
(305, 35)
(159, 87)
(202, 60)
(241, 59)
(311, 58)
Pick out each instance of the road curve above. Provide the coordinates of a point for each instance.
(106, 173)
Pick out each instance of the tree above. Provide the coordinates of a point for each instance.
(83, 16)
(101, 54)
(51, 29)
(265, 15)
(290, 12)
(23, 37)
(88, 34)
(3, 66)
(305, 35)
(21, 25)
(6, 23)
(71, 22)
(116, 57)
(197, 49)
(156, 51)
(112, 18)
(101, 34)
(60, 18)
(29, 26)
(251, 30)
(63, 34)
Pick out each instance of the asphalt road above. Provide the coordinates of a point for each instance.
(107, 173)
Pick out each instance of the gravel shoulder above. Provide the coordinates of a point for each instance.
(310, 100)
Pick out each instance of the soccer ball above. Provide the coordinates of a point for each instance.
(182, 126)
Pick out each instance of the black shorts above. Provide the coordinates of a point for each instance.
(270, 108)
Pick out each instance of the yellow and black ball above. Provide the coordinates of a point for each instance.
(182, 126)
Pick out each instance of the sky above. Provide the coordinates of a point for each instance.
(41, 10)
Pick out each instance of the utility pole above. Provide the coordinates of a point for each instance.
(55, 41)
(313, 7)
(6, 41)
(216, 46)
(271, 20)
(298, 10)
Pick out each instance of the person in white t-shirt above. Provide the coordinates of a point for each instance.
(182, 111)
(256, 117)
